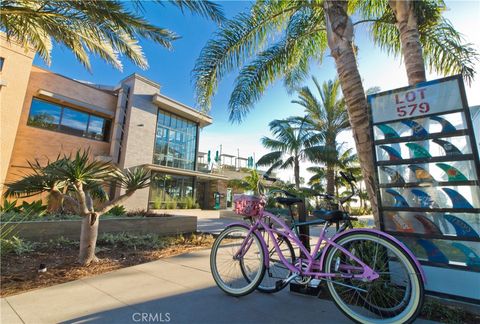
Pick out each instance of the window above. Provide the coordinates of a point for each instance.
(47, 115)
(175, 141)
(168, 189)
(2, 60)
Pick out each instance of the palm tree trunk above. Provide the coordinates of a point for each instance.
(88, 239)
(330, 179)
(339, 35)
(410, 39)
(296, 172)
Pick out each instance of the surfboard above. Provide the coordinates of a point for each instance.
(447, 127)
(420, 173)
(417, 129)
(452, 173)
(450, 149)
(462, 228)
(399, 200)
(472, 259)
(418, 151)
(434, 254)
(393, 154)
(425, 200)
(458, 201)
(388, 131)
(430, 227)
(395, 177)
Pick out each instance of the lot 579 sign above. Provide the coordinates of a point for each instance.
(429, 98)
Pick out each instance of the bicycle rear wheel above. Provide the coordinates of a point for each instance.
(395, 297)
(237, 261)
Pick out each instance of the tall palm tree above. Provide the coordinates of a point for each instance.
(418, 31)
(109, 29)
(278, 39)
(327, 117)
(290, 147)
(77, 179)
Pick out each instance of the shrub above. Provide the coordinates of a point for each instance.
(118, 210)
(16, 245)
(9, 206)
(359, 211)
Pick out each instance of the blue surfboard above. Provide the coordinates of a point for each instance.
(393, 154)
(417, 129)
(433, 252)
(472, 259)
(447, 127)
(425, 200)
(399, 200)
(458, 201)
(461, 227)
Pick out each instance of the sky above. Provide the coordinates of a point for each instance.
(172, 69)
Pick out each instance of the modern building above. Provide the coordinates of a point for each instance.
(131, 124)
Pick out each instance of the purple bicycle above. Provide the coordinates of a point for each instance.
(371, 276)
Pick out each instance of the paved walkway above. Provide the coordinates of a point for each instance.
(176, 290)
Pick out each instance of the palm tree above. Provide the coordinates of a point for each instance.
(290, 147)
(327, 117)
(108, 29)
(79, 179)
(278, 39)
(418, 31)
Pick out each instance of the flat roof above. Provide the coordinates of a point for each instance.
(181, 109)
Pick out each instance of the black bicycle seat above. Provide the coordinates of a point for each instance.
(288, 201)
(330, 215)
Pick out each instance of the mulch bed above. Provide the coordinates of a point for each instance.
(19, 273)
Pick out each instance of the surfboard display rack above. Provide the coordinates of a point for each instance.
(427, 171)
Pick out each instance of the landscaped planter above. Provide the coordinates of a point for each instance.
(46, 230)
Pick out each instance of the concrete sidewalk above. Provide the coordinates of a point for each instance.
(176, 290)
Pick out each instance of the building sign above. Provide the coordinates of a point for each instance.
(427, 175)
(423, 100)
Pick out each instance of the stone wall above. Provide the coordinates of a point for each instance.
(50, 230)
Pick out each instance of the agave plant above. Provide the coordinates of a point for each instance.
(79, 179)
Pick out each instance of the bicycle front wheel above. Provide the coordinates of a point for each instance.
(395, 297)
(237, 261)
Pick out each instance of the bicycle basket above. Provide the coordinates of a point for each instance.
(247, 205)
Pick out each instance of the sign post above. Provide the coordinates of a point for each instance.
(427, 172)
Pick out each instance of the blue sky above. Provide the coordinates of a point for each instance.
(172, 69)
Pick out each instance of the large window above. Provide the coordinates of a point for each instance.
(55, 117)
(168, 190)
(175, 141)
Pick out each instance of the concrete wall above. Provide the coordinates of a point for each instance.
(36, 143)
(139, 133)
(44, 231)
(13, 86)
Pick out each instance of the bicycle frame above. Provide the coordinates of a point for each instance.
(314, 264)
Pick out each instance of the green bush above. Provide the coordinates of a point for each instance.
(16, 245)
(9, 206)
(118, 210)
(359, 211)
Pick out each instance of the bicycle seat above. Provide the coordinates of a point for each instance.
(330, 215)
(288, 201)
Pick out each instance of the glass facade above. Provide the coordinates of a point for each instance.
(47, 115)
(168, 189)
(175, 141)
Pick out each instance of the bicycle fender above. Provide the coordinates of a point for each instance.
(262, 242)
(390, 237)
